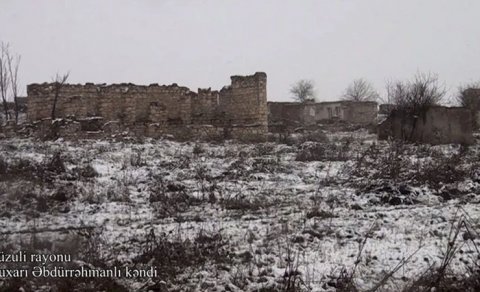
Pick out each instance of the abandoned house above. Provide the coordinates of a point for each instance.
(437, 125)
(237, 111)
(311, 113)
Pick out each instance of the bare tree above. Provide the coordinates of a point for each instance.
(412, 99)
(4, 78)
(13, 64)
(303, 91)
(58, 83)
(360, 90)
(397, 92)
(418, 95)
(469, 98)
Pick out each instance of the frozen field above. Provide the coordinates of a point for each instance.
(348, 213)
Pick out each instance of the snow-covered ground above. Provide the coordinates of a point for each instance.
(243, 217)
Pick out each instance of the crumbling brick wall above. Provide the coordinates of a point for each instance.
(239, 109)
(471, 101)
(284, 114)
(244, 104)
(360, 112)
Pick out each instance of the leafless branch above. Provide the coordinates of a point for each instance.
(13, 64)
(303, 91)
(4, 77)
(360, 90)
(58, 83)
(417, 95)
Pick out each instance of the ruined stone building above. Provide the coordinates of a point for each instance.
(438, 125)
(311, 113)
(236, 111)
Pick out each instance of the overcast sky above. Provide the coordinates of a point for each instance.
(200, 43)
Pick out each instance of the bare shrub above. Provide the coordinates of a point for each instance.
(389, 162)
(417, 95)
(441, 171)
(345, 280)
(264, 149)
(243, 203)
(238, 168)
(198, 149)
(3, 166)
(118, 192)
(311, 152)
(64, 193)
(441, 277)
(56, 164)
(169, 199)
(20, 168)
(323, 152)
(86, 171)
(391, 170)
(136, 159)
(172, 255)
(392, 165)
(268, 165)
(316, 136)
(316, 212)
(87, 193)
(292, 278)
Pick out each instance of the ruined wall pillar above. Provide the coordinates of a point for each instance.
(245, 105)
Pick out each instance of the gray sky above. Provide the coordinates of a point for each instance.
(200, 43)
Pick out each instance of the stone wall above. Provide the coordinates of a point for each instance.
(285, 114)
(438, 125)
(360, 112)
(472, 102)
(239, 110)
